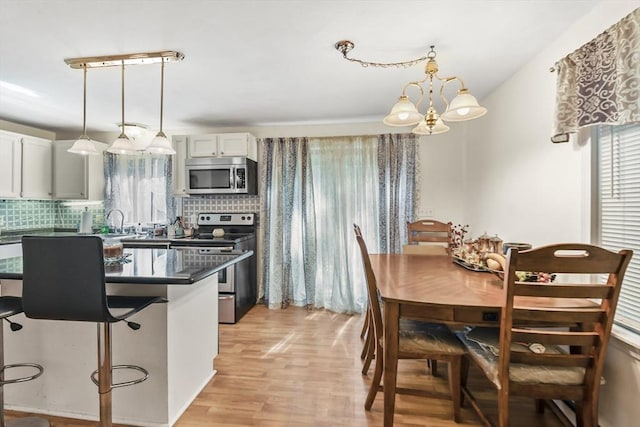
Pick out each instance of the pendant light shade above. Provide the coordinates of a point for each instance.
(160, 144)
(84, 145)
(122, 145)
(423, 128)
(403, 113)
(463, 107)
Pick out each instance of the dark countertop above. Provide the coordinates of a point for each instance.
(179, 266)
(129, 240)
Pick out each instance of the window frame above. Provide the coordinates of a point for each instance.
(628, 332)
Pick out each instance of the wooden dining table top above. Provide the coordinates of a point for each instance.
(437, 282)
(434, 280)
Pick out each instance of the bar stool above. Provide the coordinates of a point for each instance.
(63, 279)
(10, 306)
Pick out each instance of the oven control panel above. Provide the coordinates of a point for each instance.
(222, 219)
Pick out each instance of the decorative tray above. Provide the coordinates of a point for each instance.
(120, 260)
(470, 266)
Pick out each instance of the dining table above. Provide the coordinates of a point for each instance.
(436, 289)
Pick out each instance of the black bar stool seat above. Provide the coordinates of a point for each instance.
(64, 279)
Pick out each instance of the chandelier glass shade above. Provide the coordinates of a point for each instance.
(123, 144)
(404, 112)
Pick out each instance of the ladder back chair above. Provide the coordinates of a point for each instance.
(418, 340)
(428, 237)
(553, 337)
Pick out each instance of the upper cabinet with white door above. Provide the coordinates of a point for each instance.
(179, 143)
(25, 166)
(223, 145)
(77, 177)
(10, 165)
(36, 168)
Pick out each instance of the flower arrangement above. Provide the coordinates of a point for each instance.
(458, 233)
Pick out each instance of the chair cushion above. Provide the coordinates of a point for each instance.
(483, 344)
(421, 337)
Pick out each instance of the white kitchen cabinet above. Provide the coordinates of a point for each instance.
(77, 177)
(240, 144)
(25, 166)
(36, 168)
(179, 143)
(203, 145)
(10, 165)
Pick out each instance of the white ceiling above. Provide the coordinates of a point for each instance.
(256, 62)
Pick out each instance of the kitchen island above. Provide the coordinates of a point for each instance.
(177, 343)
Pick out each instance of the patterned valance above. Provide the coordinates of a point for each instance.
(600, 82)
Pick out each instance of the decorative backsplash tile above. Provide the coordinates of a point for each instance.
(45, 214)
(192, 206)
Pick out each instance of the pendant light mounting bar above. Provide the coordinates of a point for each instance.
(128, 59)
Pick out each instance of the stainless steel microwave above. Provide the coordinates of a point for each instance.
(221, 175)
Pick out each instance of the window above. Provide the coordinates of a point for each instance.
(617, 220)
(140, 186)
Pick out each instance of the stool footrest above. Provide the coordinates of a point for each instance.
(94, 375)
(22, 379)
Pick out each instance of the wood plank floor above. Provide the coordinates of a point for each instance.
(296, 367)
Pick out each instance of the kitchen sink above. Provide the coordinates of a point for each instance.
(119, 236)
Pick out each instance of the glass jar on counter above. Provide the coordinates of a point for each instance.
(112, 249)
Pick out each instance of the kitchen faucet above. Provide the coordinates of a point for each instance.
(121, 222)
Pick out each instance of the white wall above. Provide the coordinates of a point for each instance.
(442, 175)
(525, 188)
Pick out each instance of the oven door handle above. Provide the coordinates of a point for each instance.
(207, 249)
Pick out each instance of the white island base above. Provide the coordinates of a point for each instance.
(177, 344)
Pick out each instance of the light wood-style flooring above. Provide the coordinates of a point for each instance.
(296, 368)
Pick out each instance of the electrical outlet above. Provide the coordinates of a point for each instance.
(425, 213)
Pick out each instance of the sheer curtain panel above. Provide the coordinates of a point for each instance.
(315, 190)
(140, 186)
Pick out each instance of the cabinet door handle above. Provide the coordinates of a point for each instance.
(222, 152)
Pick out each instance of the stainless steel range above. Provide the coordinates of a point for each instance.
(221, 232)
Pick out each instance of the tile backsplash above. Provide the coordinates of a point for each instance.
(192, 206)
(45, 214)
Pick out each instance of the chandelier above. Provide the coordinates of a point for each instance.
(123, 144)
(462, 107)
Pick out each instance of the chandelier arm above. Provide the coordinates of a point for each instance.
(344, 46)
(414, 84)
(446, 81)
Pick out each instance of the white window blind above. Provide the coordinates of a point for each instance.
(619, 209)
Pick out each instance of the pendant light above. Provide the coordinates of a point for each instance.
(84, 145)
(122, 145)
(160, 144)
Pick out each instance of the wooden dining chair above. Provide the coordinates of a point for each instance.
(428, 237)
(418, 340)
(551, 345)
